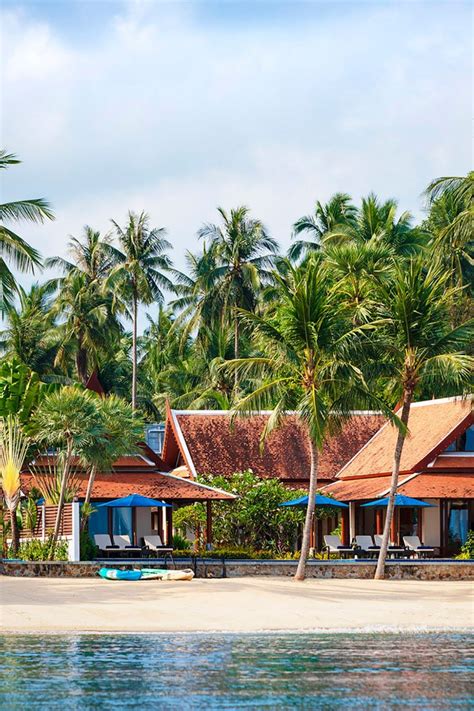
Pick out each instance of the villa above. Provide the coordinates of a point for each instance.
(437, 466)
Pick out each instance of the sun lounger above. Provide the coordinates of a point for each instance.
(393, 550)
(154, 544)
(414, 544)
(366, 544)
(124, 544)
(104, 543)
(332, 544)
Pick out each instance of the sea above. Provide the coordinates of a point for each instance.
(237, 671)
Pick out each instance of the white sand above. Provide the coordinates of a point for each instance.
(237, 604)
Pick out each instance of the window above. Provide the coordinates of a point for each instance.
(154, 437)
(464, 443)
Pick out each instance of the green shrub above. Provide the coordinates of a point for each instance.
(180, 543)
(89, 550)
(467, 549)
(39, 550)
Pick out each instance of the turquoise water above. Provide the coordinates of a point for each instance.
(223, 671)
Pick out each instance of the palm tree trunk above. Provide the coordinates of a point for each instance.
(236, 351)
(134, 352)
(313, 482)
(380, 571)
(14, 531)
(90, 486)
(81, 364)
(62, 493)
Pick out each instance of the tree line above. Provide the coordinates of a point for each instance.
(367, 309)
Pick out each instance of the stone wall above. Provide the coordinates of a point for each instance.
(204, 568)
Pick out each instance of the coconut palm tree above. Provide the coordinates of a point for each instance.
(13, 248)
(420, 349)
(139, 272)
(68, 420)
(88, 327)
(451, 219)
(30, 332)
(326, 218)
(245, 256)
(88, 311)
(13, 448)
(308, 366)
(376, 220)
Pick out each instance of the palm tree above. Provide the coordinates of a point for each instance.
(451, 218)
(30, 334)
(13, 248)
(119, 434)
(88, 326)
(307, 366)
(13, 448)
(420, 349)
(377, 220)
(245, 255)
(88, 310)
(68, 420)
(198, 304)
(327, 217)
(139, 272)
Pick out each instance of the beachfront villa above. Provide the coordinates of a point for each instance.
(437, 467)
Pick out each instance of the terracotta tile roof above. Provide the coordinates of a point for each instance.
(358, 489)
(210, 446)
(449, 462)
(440, 486)
(433, 425)
(155, 485)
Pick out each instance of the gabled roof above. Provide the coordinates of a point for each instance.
(437, 485)
(432, 425)
(208, 443)
(156, 485)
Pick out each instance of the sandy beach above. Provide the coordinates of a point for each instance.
(233, 605)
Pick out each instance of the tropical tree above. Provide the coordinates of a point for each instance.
(139, 272)
(451, 220)
(30, 334)
(88, 311)
(307, 367)
(376, 220)
(13, 448)
(327, 217)
(119, 433)
(13, 248)
(69, 421)
(419, 348)
(21, 390)
(245, 255)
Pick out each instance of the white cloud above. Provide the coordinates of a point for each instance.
(164, 110)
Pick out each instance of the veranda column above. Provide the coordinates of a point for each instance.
(352, 520)
(345, 527)
(378, 521)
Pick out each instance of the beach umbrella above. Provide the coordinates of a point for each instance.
(320, 500)
(401, 501)
(134, 501)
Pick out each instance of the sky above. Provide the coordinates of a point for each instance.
(179, 107)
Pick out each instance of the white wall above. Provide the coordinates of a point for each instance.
(143, 523)
(431, 528)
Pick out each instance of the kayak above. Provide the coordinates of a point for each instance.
(146, 574)
(149, 573)
(113, 574)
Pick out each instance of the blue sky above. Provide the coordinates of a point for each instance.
(177, 107)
